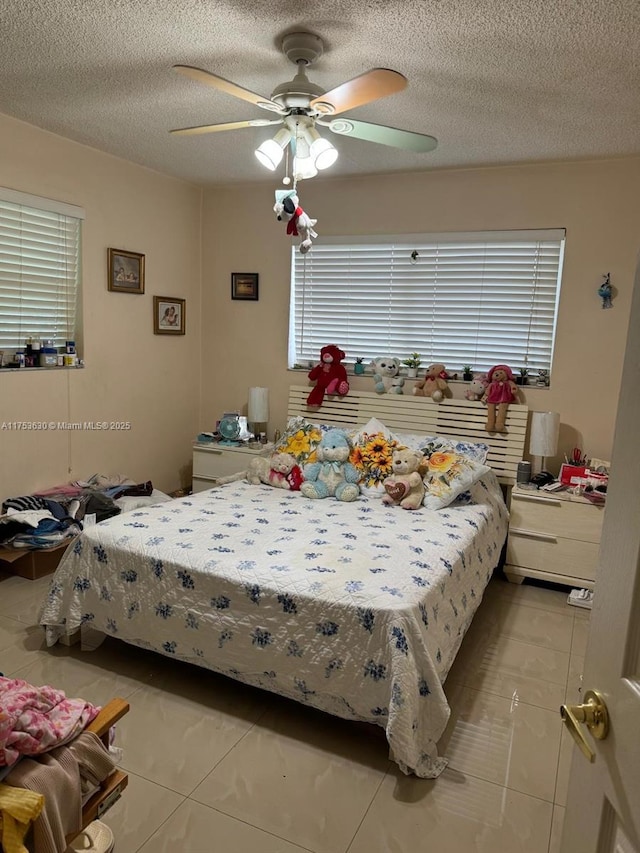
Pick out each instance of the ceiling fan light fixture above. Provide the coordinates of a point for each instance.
(323, 153)
(304, 167)
(269, 153)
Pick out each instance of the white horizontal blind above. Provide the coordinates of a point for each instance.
(477, 299)
(39, 270)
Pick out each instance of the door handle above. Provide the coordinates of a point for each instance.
(593, 713)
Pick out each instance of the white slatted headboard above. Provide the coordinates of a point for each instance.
(463, 419)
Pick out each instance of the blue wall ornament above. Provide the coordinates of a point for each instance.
(605, 292)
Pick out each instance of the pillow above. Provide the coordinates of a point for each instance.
(448, 474)
(476, 451)
(373, 447)
(131, 502)
(300, 438)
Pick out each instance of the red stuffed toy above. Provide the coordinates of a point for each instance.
(330, 375)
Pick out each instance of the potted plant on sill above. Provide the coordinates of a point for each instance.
(358, 367)
(412, 363)
(523, 379)
(467, 372)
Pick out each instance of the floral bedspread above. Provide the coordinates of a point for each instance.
(355, 608)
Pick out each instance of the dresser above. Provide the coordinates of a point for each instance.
(214, 461)
(553, 537)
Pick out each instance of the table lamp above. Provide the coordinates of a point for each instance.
(543, 441)
(258, 410)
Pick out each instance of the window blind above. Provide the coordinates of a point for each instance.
(478, 299)
(39, 270)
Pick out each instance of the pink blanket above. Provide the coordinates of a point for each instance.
(36, 719)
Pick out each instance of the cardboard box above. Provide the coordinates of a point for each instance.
(33, 564)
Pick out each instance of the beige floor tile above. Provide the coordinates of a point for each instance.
(503, 741)
(183, 722)
(142, 809)
(194, 828)
(530, 596)
(301, 775)
(21, 598)
(507, 618)
(19, 644)
(556, 829)
(482, 657)
(111, 670)
(452, 814)
(580, 636)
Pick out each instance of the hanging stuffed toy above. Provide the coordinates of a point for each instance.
(500, 391)
(330, 375)
(288, 210)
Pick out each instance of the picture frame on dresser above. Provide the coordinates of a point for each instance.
(125, 271)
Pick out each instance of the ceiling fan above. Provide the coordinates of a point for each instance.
(301, 105)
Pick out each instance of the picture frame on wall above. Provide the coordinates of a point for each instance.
(126, 271)
(244, 285)
(169, 315)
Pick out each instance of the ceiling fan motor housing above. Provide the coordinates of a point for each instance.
(302, 47)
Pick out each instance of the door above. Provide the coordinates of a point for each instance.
(603, 803)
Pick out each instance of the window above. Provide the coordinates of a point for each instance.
(478, 299)
(39, 270)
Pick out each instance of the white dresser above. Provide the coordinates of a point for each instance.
(554, 537)
(213, 461)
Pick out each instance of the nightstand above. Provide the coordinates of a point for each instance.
(553, 537)
(213, 461)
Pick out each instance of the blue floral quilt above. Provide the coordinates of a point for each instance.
(355, 608)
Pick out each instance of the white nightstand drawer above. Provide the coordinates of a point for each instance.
(214, 462)
(555, 555)
(562, 518)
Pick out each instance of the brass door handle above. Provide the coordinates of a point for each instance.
(593, 713)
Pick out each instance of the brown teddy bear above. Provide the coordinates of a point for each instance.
(434, 384)
(404, 487)
(280, 470)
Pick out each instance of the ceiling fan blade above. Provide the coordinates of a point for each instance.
(370, 86)
(222, 85)
(382, 134)
(229, 125)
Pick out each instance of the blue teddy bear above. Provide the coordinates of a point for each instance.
(333, 474)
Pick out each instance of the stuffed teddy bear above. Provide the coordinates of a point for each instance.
(434, 384)
(404, 487)
(297, 220)
(477, 387)
(332, 474)
(386, 375)
(330, 375)
(501, 390)
(280, 470)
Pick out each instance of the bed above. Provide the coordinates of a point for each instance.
(354, 608)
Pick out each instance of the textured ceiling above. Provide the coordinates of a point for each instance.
(496, 81)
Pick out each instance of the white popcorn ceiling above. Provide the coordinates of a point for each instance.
(496, 81)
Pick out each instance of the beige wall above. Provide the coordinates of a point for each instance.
(597, 203)
(132, 375)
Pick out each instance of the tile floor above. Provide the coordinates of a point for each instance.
(214, 765)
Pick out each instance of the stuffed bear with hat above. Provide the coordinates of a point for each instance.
(298, 222)
(500, 392)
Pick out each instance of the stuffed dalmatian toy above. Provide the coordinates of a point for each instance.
(298, 223)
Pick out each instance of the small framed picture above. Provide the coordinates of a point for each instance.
(126, 271)
(244, 285)
(168, 315)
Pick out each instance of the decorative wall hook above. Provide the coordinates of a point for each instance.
(605, 291)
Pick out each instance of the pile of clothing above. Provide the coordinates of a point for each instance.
(49, 766)
(49, 517)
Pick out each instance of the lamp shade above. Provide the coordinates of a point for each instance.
(258, 405)
(545, 427)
